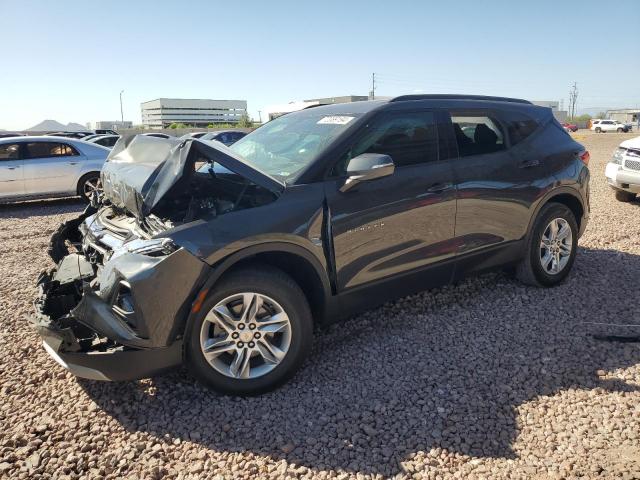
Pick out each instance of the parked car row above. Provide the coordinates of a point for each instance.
(228, 137)
(49, 167)
(63, 165)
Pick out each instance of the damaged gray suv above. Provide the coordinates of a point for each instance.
(224, 259)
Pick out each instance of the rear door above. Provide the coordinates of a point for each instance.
(11, 171)
(497, 181)
(51, 167)
(403, 223)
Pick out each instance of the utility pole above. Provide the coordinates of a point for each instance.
(573, 98)
(373, 86)
(121, 111)
(260, 115)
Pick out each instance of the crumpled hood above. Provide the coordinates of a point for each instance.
(141, 169)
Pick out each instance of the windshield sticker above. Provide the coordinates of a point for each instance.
(335, 120)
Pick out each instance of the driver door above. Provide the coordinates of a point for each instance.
(402, 223)
(11, 171)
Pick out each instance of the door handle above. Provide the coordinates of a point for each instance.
(440, 187)
(73, 163)
(12, 168)
(530, 163)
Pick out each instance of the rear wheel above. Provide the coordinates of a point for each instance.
(598, 130)
(620, 130)
(551, 247)
(252, 333)
(623, 196)
(88, 185)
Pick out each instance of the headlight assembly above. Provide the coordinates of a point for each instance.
(617, 156)
(156, 247)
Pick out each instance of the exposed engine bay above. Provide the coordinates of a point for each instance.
(209, 194)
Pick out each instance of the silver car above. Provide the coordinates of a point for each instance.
(46, 167)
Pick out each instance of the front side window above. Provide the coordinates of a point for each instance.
(408, 138)
(9, 151)
(477, 134)
(49, 149)
(285, 146)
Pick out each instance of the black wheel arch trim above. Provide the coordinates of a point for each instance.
(548, 197)
(226, 264)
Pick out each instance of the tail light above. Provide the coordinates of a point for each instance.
(585, 157)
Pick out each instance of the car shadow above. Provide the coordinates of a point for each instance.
(446, 368)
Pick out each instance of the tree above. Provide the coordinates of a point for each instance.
(245, 121)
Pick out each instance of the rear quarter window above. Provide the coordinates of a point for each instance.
(519, 126)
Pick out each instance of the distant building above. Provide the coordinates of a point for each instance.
(561, 115)
(625, 115)
(275, 111)
(112, 125)
(162, 112)
(343, 99)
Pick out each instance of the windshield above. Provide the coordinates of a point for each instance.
(286, 145)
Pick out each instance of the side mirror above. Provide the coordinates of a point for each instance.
(366, 167)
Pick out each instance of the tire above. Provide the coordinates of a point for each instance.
(620, 130)
(530, 270)
(598, 130)
(277, 291)
(87, 184)
(623, 196)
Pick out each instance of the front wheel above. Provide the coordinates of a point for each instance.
(252, 333)
(620, 130)
(551, 247)
(598, 130)
(623, 196)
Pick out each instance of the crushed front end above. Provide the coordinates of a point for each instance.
(114, 306)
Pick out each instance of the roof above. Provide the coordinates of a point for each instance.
(435, 100)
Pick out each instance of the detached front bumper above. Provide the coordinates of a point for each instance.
(82, 350)
(621, 178)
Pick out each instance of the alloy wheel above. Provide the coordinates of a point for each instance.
(245, 335)
(92, 185)
(556, 246)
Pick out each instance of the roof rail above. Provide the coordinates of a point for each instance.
(445, 96)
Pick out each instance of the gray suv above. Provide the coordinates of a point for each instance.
(225, 258)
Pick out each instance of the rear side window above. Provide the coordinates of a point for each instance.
(49, 149)
(9, 151)
(408, 138)
(519, 126)
(107, 142)
(477, 134)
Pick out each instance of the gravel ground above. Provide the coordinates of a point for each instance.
(487, 378)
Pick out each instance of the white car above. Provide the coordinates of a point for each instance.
(47, 167)
(623, 171)
(602, 126)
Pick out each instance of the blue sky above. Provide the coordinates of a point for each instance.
(68, 60)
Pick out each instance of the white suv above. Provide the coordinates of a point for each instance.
(599, 126)
(623, 171)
